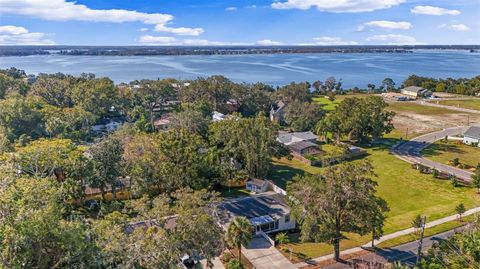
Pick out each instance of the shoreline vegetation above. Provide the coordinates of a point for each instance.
(215, 50)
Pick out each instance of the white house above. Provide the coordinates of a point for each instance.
(256, 185)
(266, 212)
(472, 136)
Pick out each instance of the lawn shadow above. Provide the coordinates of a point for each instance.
(441, 148)
(281, 174)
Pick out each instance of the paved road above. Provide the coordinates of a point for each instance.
(405, 253)
(410, 151)
(391, 236)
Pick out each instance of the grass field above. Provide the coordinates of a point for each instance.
(407, 191)
(444, 152)
(467, 103)
(331, 105)
(419, 109)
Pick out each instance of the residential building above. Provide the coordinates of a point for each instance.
(163, 123)
(291, 138)
(277, 112)
(472, 136)
(267, 212)
(416, 91)
(256, 185)
(107, 125)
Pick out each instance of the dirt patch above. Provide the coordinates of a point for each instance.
(420, 123)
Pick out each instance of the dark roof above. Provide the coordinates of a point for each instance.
(473, 132)
(287, 138)
(299, 146)
(273, 205)
(256, 181)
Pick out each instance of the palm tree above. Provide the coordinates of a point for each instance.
(239, 233)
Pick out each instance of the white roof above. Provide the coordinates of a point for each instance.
(217, 116)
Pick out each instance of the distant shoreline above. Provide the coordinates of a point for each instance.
(219, 50)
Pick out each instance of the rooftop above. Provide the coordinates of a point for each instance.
(299, 146)
(473, 131)
(289, 138)
(414, 89)
(258, 206)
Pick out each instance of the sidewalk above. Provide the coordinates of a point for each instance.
(391, 236)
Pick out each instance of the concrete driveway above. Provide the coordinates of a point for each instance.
(265, 256)
(410, 151)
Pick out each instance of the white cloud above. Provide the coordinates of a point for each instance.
(231, 9)
(459, 27)
(393, 39)
(436, 11)
(338, 6)
(179, 31)
(455, 27)
(172, 41)
(12, 30)
(388, 25)
(331, 41)
(268, 42)
(16, 35)
(143, 29)
(63, 10)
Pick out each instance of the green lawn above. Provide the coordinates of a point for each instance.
(468, 103)
(233, 192)
(407, 191)
(331, 105)
(419, 109)
(444, 152)
(428, 232)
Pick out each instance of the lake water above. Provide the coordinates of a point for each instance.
(277, 69)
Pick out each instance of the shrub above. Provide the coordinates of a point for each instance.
(234, 264)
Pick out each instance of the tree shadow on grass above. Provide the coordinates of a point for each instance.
(441, 148)
(281, 174)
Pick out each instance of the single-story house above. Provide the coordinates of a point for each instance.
(163, 123)
(300, 143)
(256, 185)
(217, 116)
(266, 212)
(416, 91)
(304, 148)
(472, 136)
(277, 112)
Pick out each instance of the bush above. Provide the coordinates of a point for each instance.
(235, 264)
(227, 257)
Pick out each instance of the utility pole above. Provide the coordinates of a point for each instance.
(406, 134)
(420, 243)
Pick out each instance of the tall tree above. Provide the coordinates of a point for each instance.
(294, 92)
(167, 161)
(249, 141)
(338, 201)
(96, 96)
(388, 84)
(20, 116)
(303, 116)
(239, 233)
(107, 157)
(476, 178)
(214, 90)
(34, 232)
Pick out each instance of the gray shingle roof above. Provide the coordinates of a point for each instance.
(296, 136)
(299, 146)
(473, 132)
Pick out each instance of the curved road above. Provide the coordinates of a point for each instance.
(410, 151)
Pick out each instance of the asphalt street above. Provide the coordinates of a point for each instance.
(406, 253)
(410, 151)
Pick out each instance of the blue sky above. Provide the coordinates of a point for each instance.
(239, 22)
